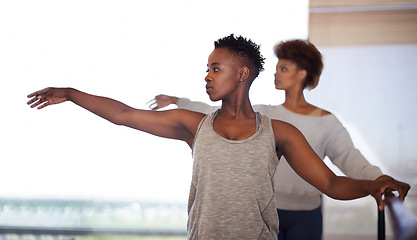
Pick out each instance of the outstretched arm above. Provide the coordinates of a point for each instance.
(302, 158)
(162, 100)
(175, 124)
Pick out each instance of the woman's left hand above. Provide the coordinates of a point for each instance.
(382, 186)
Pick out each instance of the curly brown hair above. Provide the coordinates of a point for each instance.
(305, 55)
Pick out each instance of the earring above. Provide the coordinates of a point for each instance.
(241, 80)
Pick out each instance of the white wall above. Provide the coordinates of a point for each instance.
(127, 50)
(372, 90)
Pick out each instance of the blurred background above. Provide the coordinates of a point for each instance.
(63, 168)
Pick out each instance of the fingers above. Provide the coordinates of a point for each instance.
(38, 102)
(43, 102)
(403, 190)
(158, 102)
(34, 94)
(40, 92)
(394, 185)
(44, 105)
(32, 100)
(401, 187)
(380, 204)
(38, 99)
(379, 200)
(153, 104)
(382, 187)
(35, 101)
(35, 97)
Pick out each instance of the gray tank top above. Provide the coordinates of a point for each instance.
(232, 189)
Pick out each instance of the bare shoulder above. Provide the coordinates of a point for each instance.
(281, 125)
(325, 112)
(320, 111)
(184, 123)
(284, 131)
(189, 118)
(287, 137)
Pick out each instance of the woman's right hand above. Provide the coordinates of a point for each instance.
(161, 101)
(46, 97)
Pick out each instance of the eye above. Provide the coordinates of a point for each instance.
(214, 69)
(284, 69)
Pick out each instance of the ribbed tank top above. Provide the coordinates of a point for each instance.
(231, 194)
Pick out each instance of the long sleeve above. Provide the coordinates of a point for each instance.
(341, 151)
(201, 107)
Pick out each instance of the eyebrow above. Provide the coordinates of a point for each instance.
(213, 64)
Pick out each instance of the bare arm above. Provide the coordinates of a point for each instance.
(175, 124)
(302, 158)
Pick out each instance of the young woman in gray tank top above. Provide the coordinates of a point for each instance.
(231, 194)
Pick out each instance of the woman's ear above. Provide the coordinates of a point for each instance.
(244, 73)
(302, 74)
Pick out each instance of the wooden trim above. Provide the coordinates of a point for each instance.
(343, 3)
(363, 28)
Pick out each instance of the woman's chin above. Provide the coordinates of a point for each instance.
(213, 98)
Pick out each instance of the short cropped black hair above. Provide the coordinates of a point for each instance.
(245, 49)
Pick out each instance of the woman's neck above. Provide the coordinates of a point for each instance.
(295, 99)
(297, 103)
(237, 108)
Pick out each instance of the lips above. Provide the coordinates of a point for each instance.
(208, 88)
